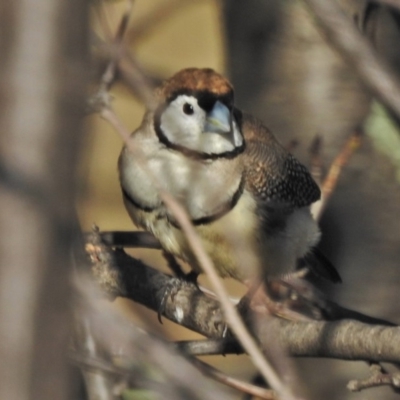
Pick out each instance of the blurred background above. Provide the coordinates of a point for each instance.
(285, 73)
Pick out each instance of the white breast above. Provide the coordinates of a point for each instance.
(202, 186)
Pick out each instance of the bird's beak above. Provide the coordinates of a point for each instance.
(218, 119)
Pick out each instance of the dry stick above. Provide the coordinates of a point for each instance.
(349, 42)
(379, 377)
(118, 274)
(227, 380)
(102, 98)
(136, 79)
(332, 177)
(232, 316)
(109, 74)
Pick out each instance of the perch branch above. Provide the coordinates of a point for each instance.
(121, 275)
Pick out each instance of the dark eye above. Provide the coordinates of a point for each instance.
(188, 109)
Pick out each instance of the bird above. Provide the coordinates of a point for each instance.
(246, 195)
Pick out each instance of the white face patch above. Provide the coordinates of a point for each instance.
(180, 127)
(183, 123)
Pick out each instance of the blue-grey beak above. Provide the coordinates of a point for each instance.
(218, 119)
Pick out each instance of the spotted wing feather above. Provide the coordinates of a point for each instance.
(273, 174)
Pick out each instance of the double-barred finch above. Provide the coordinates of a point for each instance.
(246, 195)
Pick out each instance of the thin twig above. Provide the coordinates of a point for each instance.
(244, 387)
(333, 175)
(316, 160)
(101, 98)
(379, 377)
(349, 42)
(141, 85)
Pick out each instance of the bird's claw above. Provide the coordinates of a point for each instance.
(172, 288)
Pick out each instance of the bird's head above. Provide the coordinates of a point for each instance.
(196, 114)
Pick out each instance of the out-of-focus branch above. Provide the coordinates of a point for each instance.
(137, 80)
(245, 387)
(98, 382)
(379, 377)
(349, 42)
(137, 357)
(121, 275)
(331, 179)
(42, 83)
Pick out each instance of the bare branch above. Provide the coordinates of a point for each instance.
(147, 361)
(349, 42)
(42, 84)
(244, 387)
(331, 179)
(121, 275)
(378, 377)
(99, 383)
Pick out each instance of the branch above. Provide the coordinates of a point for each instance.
(134, 357)
(121, 275)
(244, 387)
(379, 377)
(42, 85)
(349, 42)
(332, 178)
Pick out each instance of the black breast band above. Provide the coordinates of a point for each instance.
(197, 221)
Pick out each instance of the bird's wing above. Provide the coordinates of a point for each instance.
(281, 184)
(273, 175)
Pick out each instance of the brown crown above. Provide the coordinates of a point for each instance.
(196, 80)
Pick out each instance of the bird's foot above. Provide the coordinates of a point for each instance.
(172, 288)
(290, 297)
(295, 298)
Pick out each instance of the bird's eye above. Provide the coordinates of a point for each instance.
(188, 109)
